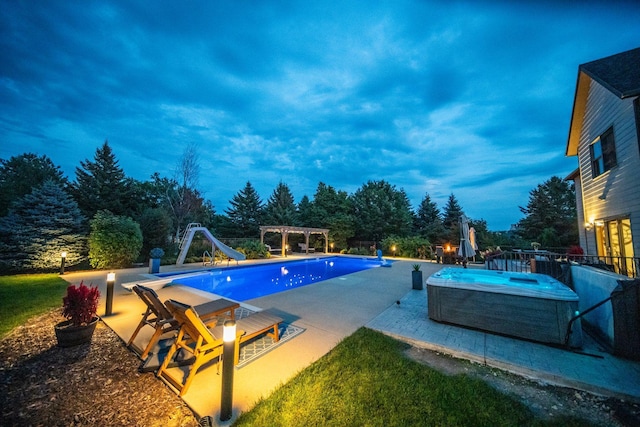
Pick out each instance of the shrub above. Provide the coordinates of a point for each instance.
(80, 304)
(155, 225)
(253, 249)
(115, 241)
(408, 247)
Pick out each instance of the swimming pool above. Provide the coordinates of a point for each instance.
(245, 283)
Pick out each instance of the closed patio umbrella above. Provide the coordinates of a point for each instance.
(466, 248)
(472, 238)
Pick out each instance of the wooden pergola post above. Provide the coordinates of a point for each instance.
(285, 230)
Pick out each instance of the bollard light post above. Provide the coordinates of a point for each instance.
(111, 280)
(63, 260)
(228, 361)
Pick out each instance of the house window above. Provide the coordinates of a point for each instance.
(603, 153)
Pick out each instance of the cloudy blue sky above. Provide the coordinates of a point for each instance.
(466, 97)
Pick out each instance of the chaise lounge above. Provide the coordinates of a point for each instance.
(162, 321)
(205, 343)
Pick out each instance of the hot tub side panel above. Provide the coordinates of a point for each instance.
(535, 319)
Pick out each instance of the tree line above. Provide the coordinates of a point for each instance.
(109, 220)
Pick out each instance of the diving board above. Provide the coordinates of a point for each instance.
(191, 230)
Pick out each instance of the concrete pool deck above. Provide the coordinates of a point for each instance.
(334, 309)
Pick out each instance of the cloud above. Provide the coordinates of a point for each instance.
(435, 97)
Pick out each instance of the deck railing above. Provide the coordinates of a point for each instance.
(551, 263)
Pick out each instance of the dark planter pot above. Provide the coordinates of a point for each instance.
(154, 265)
(416, 277)
(69, 335)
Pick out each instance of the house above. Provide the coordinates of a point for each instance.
(604, 134)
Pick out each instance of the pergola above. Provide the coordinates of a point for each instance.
(285, 230)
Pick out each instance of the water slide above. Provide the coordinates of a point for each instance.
(191, 230)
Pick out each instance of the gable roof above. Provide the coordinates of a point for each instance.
(619, 73)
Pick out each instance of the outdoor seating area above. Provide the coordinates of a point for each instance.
(162, 321)
(304, 248)
(199, 333)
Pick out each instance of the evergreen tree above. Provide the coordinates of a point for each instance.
(333, 210)
(281, 208)
(246, 212)
(428, 221)
(39, 227)
(380, 210)
(102, 185)
(551, 217)
(451, 219)
(304, 212)
(20, 175)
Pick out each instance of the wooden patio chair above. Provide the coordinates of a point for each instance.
(160, 318)
(205, 343)
(195, 338)
(157, 316)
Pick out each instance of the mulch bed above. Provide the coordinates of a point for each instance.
(97, 384)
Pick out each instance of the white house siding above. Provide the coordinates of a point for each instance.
(587, 239)
(616, 193)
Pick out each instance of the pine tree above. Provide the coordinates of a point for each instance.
(20, 175)
(551, 216)
(428, 221)
(39, 227)
(246, 212)
(333, 210)
(281, 208)
(102, 185)
(451, 218)
(304, 212)
(381, 210)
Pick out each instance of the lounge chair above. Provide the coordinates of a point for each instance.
(206, 344)
(159, 318)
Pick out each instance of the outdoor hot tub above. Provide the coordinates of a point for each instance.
(525, 305)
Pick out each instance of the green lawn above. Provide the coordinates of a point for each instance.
(24, 296)
(367, 381)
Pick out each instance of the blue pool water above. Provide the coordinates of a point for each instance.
(244, 283)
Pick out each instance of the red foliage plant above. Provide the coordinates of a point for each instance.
(81, 304)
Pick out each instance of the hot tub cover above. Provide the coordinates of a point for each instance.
(503, 282)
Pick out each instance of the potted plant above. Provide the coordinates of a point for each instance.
(416, 277)
(154, 262)
(79, 307)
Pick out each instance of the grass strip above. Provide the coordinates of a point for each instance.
(367, 381)
(26, 295)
